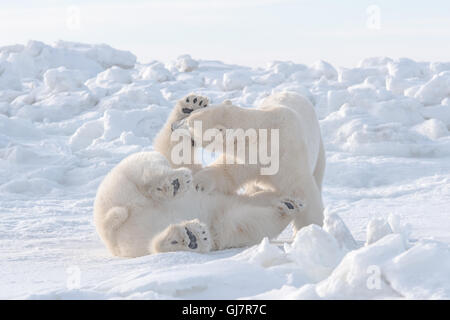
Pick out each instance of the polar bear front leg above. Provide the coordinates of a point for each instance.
(166, 187)
(186, 236)
(182, 109)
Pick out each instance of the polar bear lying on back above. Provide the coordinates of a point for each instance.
(144, 205)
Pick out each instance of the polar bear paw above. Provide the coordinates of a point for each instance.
(186, 106)
(191, 103)
(199, 237)
(187, 236)
(289, 207)
(174, 184)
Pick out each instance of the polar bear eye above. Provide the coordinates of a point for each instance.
(174, 242)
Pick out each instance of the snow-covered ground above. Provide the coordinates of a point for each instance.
(70, 112)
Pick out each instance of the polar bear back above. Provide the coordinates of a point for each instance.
(123, 189)
(307, 124)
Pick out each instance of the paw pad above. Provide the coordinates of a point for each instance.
(289, 205)
(192, 239)
(176, 186)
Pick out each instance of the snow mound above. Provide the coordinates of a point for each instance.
(156, 72)
(315, 251)
(183, 63)
(61, 79)
(235, 80)
(313, 266)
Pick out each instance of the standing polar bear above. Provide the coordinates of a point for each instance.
(301, 155)
(145, 206)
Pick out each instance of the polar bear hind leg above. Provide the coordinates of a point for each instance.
(115, 217)
(319, 170)
(247, 224)
(314, 206)
(186, 236)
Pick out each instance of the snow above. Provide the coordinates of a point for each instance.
(235, 80)
(315, 252)
(435, 90)
(69, 112)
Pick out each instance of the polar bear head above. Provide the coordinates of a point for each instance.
(217, 120)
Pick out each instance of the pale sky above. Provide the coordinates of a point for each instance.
(247, 32)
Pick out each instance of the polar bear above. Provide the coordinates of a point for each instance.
(145, 206)
(301, 152)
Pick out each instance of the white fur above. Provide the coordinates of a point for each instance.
(301, 151)
(163, 143)
(137, 211)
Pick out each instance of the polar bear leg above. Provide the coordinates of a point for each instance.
(186, 236)
(319, 170)
(224, 178)
(248, 224)
(182, 109)
(114, 218)
(263, 197)
(215, 178)
(313, 206)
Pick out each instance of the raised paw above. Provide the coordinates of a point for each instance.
(289, 207)
(176, 183)
(191, 103)
(187, 236)
(181, 181)
(198, 234)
